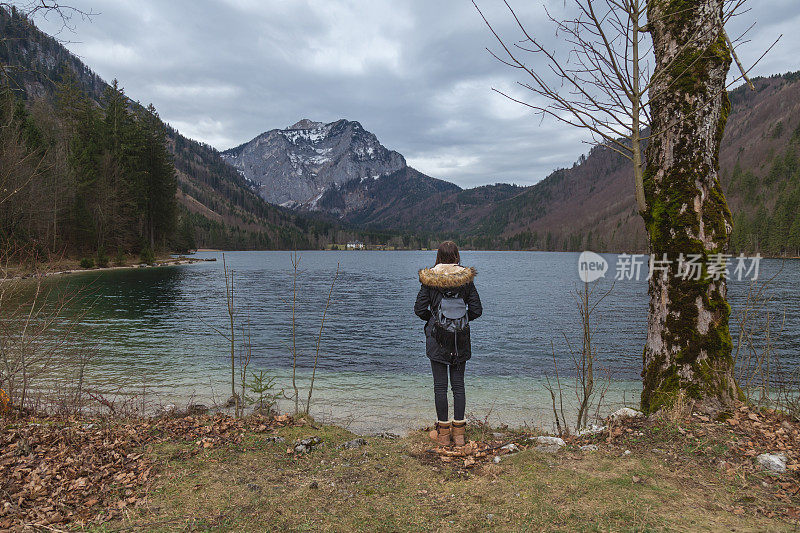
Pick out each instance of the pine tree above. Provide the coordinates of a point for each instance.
(21, 165)
(82, 120)
(123, 181)
(160, 182)
(794, 237)
(185, 239)
(779, 227)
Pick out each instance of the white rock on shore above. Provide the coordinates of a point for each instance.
(547, 443)
(625, 412)
(591, 429)
(775, 462)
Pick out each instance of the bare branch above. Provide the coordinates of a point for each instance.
(738, 63)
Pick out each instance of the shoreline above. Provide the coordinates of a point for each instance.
(465, 249)
(176, 261)
(341, 398)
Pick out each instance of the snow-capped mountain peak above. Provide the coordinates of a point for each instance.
(296, 165)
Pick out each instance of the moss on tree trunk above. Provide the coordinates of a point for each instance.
(688, 340)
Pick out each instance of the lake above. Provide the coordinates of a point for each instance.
(156, 326)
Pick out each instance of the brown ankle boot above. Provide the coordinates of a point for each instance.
(443, 433)
(459, 432)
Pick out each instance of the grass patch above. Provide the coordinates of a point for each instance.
(396, 485)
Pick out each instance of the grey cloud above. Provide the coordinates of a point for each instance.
(415, 73)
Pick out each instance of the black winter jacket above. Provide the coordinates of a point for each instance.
(435, 281)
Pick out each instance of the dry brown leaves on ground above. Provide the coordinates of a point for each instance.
(765, 432)
(63, 471)
(728, 445)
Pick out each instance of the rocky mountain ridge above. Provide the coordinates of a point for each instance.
(296, 166)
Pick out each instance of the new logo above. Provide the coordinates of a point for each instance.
(591, 267)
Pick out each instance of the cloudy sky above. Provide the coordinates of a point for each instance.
(414, 72)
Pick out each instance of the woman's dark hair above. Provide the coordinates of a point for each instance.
(448, 253)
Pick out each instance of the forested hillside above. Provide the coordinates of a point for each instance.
(591, 205)
(93, 179)
(79, 153)
(762, 166)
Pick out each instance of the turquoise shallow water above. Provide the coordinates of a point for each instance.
(156, 326)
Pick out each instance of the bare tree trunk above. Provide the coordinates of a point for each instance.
(588, 359)
(295, 264)
(688, 340)
(319, 340)
(229, 301)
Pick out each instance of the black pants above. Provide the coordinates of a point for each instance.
(440, 371)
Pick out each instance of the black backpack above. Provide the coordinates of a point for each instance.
(450, 321)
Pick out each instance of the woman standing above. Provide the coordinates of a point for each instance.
(448, 302)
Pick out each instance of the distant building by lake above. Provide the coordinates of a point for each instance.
(358, 245)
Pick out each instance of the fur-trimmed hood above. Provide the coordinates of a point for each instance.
(447, 276)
